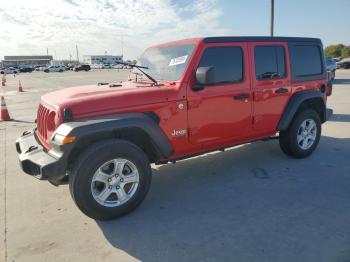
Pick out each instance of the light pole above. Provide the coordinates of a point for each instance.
(272, 10)
(76, 46)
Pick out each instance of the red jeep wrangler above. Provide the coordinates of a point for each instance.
(193, 96)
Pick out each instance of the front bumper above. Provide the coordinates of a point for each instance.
(35, 161)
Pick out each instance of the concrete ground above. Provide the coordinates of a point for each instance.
(251, 203)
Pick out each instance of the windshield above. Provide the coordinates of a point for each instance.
(166, 63)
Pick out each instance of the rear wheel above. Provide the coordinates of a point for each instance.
(303, 134)
(110, 179)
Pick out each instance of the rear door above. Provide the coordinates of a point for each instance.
(270, 83)
(221, 112)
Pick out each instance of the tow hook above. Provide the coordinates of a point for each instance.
(25, 133)
(31, 148)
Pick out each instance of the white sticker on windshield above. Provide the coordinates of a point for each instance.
(178, 60)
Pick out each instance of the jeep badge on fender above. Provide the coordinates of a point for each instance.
(225, 90)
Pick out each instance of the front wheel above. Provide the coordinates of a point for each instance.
(110, 179)
(302, 136)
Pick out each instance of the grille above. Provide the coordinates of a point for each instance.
(42, 117)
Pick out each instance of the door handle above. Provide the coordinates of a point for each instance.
(241, 97)
(281, 90)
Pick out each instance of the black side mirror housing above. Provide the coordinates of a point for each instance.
(204, 76)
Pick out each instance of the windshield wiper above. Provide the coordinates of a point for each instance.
(155, 83)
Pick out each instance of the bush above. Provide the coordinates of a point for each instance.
(338, 50)
(345, 52)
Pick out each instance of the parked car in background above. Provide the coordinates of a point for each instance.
(54, 69)
(95, 66)
(118, 66)
(10, 70)
(345, 63)
(69, 67)
(82, 68)
(26, 69)
(331, 67)
(106, 66)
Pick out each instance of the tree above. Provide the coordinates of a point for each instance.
(334, 50)
(345, 52)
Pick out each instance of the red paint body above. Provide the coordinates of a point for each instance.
(211, 117)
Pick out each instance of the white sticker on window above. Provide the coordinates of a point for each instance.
(178, 60)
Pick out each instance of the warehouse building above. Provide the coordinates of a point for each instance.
(102, 59)
(41, 60)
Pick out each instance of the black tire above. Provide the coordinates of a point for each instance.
(61, 71)
(288, 139)
(89, 161)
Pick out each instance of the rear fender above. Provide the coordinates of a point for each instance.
(313, 98)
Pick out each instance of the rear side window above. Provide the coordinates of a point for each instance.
(307, 62)
(227, 63)
(269, 62)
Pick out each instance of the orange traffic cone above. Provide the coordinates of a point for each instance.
(20, 89)
(4, 113)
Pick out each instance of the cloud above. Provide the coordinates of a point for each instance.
(96, 26)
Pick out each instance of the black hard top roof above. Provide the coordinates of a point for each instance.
(226, 39)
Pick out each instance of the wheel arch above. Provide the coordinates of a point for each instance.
(301, 101)
(140, 129)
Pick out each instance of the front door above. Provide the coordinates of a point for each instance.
(221, 112)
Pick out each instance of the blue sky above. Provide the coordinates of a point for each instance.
(326, 19)
(113, 26)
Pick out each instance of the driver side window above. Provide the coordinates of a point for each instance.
(227, 62)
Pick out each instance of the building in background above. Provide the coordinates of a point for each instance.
(102, 59)
(32, 60)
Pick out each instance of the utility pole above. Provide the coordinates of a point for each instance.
(272, 11)
(47, 51)
(122, 48)
(76, 46)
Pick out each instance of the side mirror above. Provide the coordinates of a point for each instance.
(204, 76)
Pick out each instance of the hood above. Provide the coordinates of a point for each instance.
(94, 100)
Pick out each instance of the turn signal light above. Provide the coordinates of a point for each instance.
(63, 140)
(68, 139)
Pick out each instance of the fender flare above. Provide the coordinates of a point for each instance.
(293, 105)
(87, 130)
